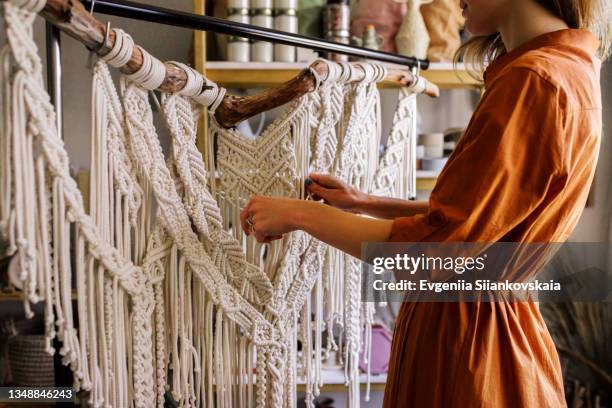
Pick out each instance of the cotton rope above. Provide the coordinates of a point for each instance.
(151, 73)
(170, 103)
(202, 284)
(395, 170)
(121, 52)
(229, 303)
(48, 214)
(329, 98)
(222, 247)
(118, 204)
(273, 164)
(357, 165)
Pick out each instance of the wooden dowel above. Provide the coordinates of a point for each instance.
(235, 109)
(71, 17)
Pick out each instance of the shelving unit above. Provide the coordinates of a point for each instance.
(258, 74)
(15, 295)
(12, 295)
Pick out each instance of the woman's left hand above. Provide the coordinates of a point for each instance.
(270, 217)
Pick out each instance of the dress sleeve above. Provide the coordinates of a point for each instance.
(508, 163)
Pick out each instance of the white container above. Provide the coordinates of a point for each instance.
(420, 151)
(433, 164)
(262, 52)
(261, 15)
(238, 48)
(431, 139)
(237, 4)
(433, 151)
(306, 55)
(285, 19)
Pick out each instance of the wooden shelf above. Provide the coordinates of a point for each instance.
(258, 74)
(18, 296)
(12, 295)
(426, 180)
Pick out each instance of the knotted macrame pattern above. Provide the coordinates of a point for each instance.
(170, 294)
(47, 221)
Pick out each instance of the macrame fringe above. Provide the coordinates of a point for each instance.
(44, 217)
(208, 309)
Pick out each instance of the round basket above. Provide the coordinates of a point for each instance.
(30, 364)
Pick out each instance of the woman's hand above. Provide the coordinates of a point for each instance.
(271, 217)
(268, 218)
(336, 193)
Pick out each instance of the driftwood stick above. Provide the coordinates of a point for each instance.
(71, 17)
(235, 109)
(401, 77)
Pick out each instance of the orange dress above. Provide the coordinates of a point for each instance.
(520, 173)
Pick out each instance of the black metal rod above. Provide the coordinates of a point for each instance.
(54, 73)
(161, 15)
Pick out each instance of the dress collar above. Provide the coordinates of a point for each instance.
(580, 40)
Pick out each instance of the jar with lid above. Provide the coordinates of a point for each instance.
(336, 25)
(261, 15)
(285, 19)
(238, 47)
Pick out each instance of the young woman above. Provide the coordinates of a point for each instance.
(520, 173)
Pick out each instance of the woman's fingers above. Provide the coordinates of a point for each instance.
(261, 234)
(326, 180)
(316, 197)
(246, 218)
(271, 238)
(265, 218)
(320, 192)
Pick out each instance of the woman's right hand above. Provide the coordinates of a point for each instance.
(335, 192)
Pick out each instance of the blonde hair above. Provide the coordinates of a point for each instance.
(592, 15)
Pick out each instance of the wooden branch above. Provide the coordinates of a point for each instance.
(71, 17)
(396, 76)
(235, 109)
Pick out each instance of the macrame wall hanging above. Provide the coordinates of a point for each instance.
(48, 220)
(171, 296)
(395, 176)
(352, 154)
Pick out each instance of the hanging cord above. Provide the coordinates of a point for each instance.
(151, 73)
(212, 96)
(333, 72)
(347, 72)
(200, 89)
(381, 72)
(418, 84)
(122, 49)
(195, 81)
